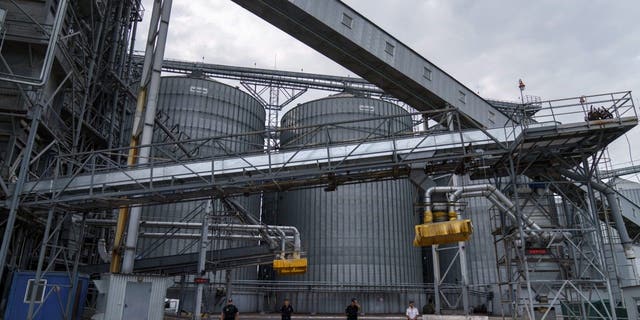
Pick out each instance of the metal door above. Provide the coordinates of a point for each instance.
(136, 301)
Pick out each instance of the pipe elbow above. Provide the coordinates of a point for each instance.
(102, 251)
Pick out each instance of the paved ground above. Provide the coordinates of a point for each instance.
(254, 316)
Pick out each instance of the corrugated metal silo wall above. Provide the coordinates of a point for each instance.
(199, 108)
(358, 234)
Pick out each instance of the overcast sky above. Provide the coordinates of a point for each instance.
(559, 48)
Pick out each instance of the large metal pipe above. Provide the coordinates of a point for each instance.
(616, 212)
(294, 233)
(211, 235)
(147, 131)
(202, 258)
(457, 191)
(102, 251)
(198, 225)
(502, 202)
(124, 211)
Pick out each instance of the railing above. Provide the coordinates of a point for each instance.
(380, 149)
(251, 143)
(589, 109)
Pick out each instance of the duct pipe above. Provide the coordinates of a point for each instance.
(202, 258)
(616, 212)
(197, 236)
(480, 187)
(546, 235)
(198, 225)
(297, 243)
(102, 251)
(131, 240)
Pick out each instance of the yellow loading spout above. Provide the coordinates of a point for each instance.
(290, 266)
(442, 232)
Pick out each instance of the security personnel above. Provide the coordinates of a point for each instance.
(286, 310)
(229, 312)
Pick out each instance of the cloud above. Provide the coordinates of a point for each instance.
(560, 48)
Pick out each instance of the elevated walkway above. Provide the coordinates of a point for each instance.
(558, 136)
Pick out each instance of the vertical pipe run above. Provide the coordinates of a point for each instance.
(123, 212)
(202, 259)
(147, 132)
(454, 213)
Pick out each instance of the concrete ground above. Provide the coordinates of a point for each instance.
(273, 316)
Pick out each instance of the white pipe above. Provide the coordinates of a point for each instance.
(198, 225)
(102, 251)
(496, 197)
(297, 243)
(147, 132)
(202, 258)
(197, 236)
(546, 235)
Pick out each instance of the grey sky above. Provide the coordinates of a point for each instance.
(559, 48)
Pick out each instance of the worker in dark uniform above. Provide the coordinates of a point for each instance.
(229, 312)
(352, 310)
(286, 310)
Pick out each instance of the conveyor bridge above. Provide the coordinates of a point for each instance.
(558, 135)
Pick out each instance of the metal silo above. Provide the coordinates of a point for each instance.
(358, 238)
(194, 108)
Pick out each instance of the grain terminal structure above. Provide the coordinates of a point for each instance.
(123, 191)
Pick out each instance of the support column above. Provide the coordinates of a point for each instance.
(598, 238)
(22, 178)
(436, 277)
(202, 259)
(524, 264)
(43, 249)
(462, 259)
(229, 285)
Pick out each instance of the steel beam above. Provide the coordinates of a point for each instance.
(362, 161)
(389, 152)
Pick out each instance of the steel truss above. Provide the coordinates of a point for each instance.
(76, 104)
(94, 183)
(568, 275)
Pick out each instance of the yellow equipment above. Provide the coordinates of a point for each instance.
(290, 266)
(430, 233)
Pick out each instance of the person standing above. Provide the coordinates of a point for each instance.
(229, 312)
(412, 312)
(352, 310)
(286, 310)
(429, 308)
